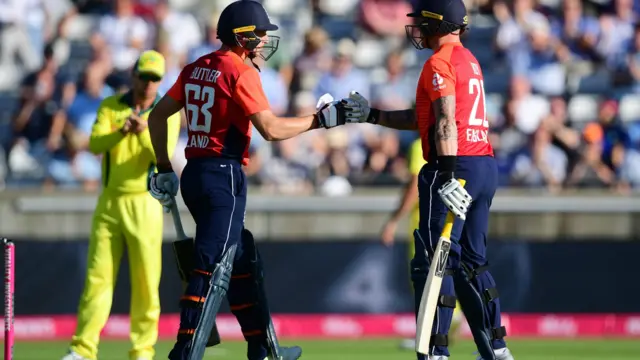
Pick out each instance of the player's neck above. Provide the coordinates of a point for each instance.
(143, 102)
(236, 50)
(448, 39)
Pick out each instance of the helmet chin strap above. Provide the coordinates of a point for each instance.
(252, 55)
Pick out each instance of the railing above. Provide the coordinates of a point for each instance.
(363, 204)
(579, 216)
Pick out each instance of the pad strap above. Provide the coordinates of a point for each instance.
(474, 273)
(192, 302)
(491, 294)
(185, 334)
(439, 340)
(448, 301)
(498, 333)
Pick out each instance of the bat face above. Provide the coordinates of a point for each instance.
(430, 294)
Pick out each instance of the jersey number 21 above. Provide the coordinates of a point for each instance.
(476, 87)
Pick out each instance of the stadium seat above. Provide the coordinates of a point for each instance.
(81, 26)
(596, 83)
(630, 108)
(8, 105)
(583, 108)
(10, 77)
(369, 53)
(494, 103)
(280, 7)
(338, 27)
(81, 50)
(496, 81)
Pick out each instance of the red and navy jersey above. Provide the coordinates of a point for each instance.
(219, 92)
(453, 71)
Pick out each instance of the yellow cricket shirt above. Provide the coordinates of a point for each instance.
(416, 162)
(127, 159)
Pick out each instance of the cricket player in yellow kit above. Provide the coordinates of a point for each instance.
(409, 202)
(126, 215)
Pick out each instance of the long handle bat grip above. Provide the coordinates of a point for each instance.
(177, 222)
(448, 223)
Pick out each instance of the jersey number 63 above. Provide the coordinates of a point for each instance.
(204, 95)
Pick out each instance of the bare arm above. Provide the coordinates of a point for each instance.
(273, 128)
(409, 199)
(397, 119)
(446, 134)
(158, 129)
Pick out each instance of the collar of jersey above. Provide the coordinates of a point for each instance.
(457, 43)
(127, 99)
(230, 53)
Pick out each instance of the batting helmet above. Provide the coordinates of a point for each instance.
(238, 25)
(436, 17)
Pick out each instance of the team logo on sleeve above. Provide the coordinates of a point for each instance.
(438, 82)
(475, 68)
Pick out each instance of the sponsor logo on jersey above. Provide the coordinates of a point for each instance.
(438, 82)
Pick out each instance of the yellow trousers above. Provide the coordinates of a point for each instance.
(414, 223)
(134, 221)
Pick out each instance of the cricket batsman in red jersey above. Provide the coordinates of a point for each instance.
(451, 117)
(223, 97)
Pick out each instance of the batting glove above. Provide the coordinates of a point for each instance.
(454, 195)
(334, 114)
(358, 109)
(163, 186)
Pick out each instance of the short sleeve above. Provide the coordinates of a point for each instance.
(176, 92)
(442, 76)
(249, 93)
(416, 160)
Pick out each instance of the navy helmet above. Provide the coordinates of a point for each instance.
(239, 24)
(436, 18)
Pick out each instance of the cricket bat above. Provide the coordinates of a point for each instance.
(183, 250)
(431, 292)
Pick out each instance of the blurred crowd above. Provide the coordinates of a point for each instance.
(562, 80)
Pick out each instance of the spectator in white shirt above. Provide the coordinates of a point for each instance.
(123, 33)
(182, 30)
(22, 25)
(513, 30)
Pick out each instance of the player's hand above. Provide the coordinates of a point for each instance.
(389, 232)
(334, 114)
(454, 196)
(126, 128)
(358, 106)
(163, 186)
(138, 124)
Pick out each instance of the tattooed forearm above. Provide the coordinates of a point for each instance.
(446, 130)
(399, 119)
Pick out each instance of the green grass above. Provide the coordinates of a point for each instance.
(383, 349)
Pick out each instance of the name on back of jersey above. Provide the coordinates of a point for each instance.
(477, 135)
(204, 74)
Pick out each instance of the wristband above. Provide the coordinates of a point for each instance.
(374, 116)
(318, 123)
(164, 168)
(447, 163)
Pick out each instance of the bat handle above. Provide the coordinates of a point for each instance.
(177, 222)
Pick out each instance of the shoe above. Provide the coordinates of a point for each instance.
(288, 353)
(501, 354)
(438, 357)
(72, 355)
